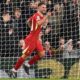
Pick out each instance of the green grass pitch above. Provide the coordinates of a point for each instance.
(37, 79)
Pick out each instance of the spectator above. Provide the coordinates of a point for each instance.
(5, 29)
(6, 39)
(57, 1)
(49, 4)
(53, 52)
(19, 24)
(61, 43)
(47, 30)
(8, 36)
(55, 24)
(69, 57)
(48, 49)
(59, 50)
(70, 20)
(7, 5)
(31, 8)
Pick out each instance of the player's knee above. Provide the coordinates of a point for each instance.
(42, 54)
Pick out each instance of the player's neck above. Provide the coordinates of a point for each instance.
(40, 13)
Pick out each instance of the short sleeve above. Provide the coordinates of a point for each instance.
(36, 18)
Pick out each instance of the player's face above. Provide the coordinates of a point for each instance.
(43, 9)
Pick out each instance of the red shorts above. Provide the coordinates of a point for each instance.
(31, 44)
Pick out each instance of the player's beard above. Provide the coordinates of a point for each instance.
(44, 13)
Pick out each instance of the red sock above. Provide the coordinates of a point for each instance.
(34, 59)
(19, 63)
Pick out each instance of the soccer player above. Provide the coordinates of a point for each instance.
(32, 41)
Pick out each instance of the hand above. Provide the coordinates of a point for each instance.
(70, 40)
(49, 14)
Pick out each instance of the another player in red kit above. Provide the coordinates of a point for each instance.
(32, 42)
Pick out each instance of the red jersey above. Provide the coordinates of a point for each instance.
(31, 41)
(35, 28)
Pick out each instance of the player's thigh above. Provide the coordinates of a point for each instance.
(40, 49)
(29, 47)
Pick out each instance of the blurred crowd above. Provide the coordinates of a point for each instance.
(64, 22)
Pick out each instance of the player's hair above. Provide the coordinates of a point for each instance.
(41, 3)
